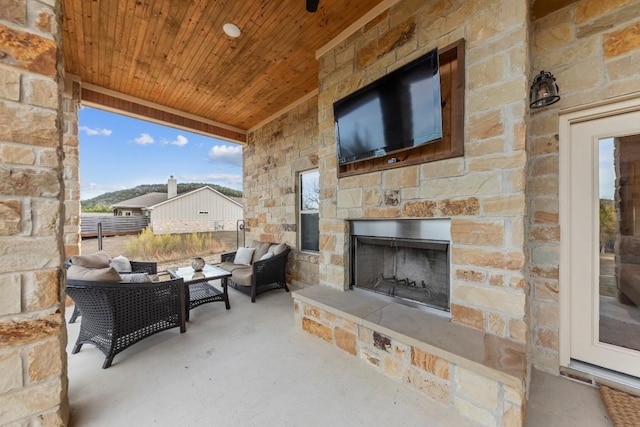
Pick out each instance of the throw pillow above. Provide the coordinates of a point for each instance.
(96, 260)
(243, 256)
(135, 278)
(266, 256)
(107, 274)
(121, 264)
(278, 248)
(261, 249)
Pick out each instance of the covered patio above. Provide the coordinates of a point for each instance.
(251, 365)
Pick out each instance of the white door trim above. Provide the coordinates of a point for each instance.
(564, 162)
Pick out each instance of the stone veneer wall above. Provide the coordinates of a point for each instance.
(33, 381)
(483, 192)
(483, 399)
(71, 164)
(593, 49)
(274, 156)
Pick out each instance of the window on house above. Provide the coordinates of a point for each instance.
(309, 216)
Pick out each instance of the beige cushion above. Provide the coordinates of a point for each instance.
(277, 248)
(261, 249)
(107, 274)
(244, 256)
(242, 276)
(96, 260)
(121, 264)
(229, 266)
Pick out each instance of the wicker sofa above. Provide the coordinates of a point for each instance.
(116, 314)
(136, 267)
(265, 270)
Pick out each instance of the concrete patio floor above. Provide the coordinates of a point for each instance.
(251, 366)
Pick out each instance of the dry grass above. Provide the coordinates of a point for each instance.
(166, 250)
(166, 247)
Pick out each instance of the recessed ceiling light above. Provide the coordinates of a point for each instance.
(231, 30)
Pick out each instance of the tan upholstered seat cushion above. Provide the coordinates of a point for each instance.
(230, 267)
(242, 276)
(96, 260)
(107, 274)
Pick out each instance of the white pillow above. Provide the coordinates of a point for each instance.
(121, 264)
(266, 256)
(243, 256)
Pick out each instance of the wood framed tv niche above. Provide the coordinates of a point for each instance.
(452, 83)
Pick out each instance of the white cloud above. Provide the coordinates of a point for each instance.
(225, 179)
(143, 139)
(231, 154)
(179, 141)
(90, 190)
(94, 131)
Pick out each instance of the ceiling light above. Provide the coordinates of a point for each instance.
(231, 30)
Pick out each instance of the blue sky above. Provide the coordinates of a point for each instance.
(118, 152)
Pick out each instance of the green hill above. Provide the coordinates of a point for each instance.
(102, 202)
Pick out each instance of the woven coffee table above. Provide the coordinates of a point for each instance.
(197, 288)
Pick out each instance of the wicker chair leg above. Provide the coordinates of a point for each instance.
(76, 348)
(253, 293)
(107, 362)
(74, 316)
(286, 288)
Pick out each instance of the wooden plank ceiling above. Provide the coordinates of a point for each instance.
(175, 54)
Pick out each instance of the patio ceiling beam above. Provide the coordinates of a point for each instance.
(98, 97)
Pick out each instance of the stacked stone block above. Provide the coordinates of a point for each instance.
(593, 49)
(274, 156)
(33, 384)
(483, 192)
(480, 398)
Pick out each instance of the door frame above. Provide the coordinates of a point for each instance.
(567, 118)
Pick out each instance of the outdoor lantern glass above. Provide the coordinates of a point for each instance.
(544, 90)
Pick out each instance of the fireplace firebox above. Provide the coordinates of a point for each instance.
(403, 259)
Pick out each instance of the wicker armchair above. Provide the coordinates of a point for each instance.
(136, 267)
(117, 315)
(260, 276)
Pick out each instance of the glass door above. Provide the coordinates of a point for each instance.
(604, 230)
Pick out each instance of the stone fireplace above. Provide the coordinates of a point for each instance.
(404, 259)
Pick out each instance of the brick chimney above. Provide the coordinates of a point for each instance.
(172, 187)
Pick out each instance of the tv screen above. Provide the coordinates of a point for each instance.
(399, 111)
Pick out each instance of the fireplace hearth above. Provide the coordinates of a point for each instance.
(403, 259)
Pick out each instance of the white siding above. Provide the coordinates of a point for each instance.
(203, 210)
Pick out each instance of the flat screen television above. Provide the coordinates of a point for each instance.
(399, 111)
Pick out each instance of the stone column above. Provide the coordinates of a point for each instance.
(33, 380)
(71, 164)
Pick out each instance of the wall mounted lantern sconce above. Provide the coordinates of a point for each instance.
(544, 90)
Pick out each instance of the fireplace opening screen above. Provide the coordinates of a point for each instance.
(412, 270)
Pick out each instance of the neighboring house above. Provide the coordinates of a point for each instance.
(138, 205)
(204, 209)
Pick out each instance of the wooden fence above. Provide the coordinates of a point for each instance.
(112, 225)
